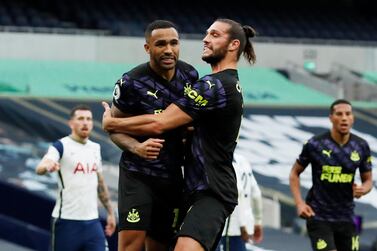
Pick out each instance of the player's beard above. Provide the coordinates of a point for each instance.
(84, 133)
(160, 66)
(215, 57)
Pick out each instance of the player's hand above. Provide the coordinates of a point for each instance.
(110, 225)
(149, 149)
(244, 234)
(304, 210)
(106, 117)
(358, 190)
(51, 166)
(258, 234)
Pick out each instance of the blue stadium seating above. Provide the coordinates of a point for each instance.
(290, 19)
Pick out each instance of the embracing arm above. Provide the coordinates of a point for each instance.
(148, 149)
(124, 141)
(148, 124)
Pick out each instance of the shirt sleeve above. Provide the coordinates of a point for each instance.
(256, 200)
(55, 151)
(304, 157)
(194, 75)
(202, 96)
(122, 93)
(366, 164)
(243, 206)
(186, 72)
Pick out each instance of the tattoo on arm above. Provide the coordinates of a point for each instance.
(103, 194)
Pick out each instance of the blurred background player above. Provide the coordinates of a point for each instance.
(77, 162)
(150, 188)
(334, 156)
(244, 225)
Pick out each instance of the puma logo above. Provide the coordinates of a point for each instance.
(210, 84)
(327, 152)
(153, 94)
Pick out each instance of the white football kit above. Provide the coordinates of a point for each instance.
(78, 180)
(249, 198)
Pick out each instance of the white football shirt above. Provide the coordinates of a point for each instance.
(78, 181)
(247, 189)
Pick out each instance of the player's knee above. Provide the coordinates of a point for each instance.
(131, 240)
(188, 244)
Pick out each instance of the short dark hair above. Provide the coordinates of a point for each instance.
(78, 107)
(158, 24)
(243, 34)
(337, 102)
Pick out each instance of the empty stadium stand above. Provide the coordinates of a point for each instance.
(340, 82)
(370, 76)
(283, 107)
(320, 20)
(91, 80)
(59, 79)
(269, 86)
(270, 136)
